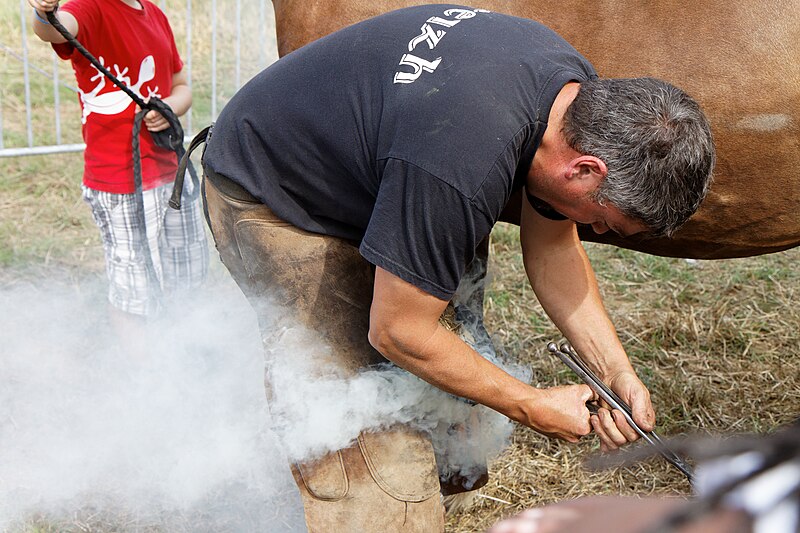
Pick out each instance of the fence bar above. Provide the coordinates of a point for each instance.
(56, 99)
(1, 121)
(238, 68)
(57, 149)
(25, 74)
(42, 150)
(262, 34)
(188, 65)
(213, 60)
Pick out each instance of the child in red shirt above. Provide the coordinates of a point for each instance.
(133, 40)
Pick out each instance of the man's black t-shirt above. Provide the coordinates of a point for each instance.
(406, 133)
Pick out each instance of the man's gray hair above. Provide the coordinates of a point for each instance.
(655, 141)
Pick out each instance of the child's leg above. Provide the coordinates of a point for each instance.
(132, 292)
(183, 246)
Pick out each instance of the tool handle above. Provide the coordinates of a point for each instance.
(570, 357)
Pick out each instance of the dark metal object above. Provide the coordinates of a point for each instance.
(570, 357)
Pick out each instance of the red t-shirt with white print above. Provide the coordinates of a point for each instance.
(137, 46)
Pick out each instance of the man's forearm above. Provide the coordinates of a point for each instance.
(563, 280)
(442, 359)
(404, 327)
(566, 287)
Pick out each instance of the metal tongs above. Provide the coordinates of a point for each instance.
(570, 357)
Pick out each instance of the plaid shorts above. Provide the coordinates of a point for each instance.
(177, 241)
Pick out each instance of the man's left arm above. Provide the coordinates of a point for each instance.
(565, 284)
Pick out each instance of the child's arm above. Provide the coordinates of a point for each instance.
(180, 100)
(44, 30)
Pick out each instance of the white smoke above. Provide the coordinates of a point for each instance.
(182, 439)
(177, 439)
(315, 415)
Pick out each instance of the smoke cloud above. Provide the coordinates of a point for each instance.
(313, 416)
(178, 439)
(181, 438)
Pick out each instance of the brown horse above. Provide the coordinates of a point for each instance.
(740, 59)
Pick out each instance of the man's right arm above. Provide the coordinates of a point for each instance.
(47, 32)
(404, 327)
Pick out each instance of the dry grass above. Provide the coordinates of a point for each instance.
(43, 220)
(716, 342)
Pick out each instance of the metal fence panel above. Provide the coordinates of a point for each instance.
(223, 44)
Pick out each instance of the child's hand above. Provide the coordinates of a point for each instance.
(153, 120)
(43, 6)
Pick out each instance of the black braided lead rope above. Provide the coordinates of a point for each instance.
(138, 198)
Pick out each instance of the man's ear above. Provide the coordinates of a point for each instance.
(587, 171)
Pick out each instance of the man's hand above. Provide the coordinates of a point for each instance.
(561, 412)
(611, 426)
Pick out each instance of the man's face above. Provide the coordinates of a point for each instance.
(602, 218)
